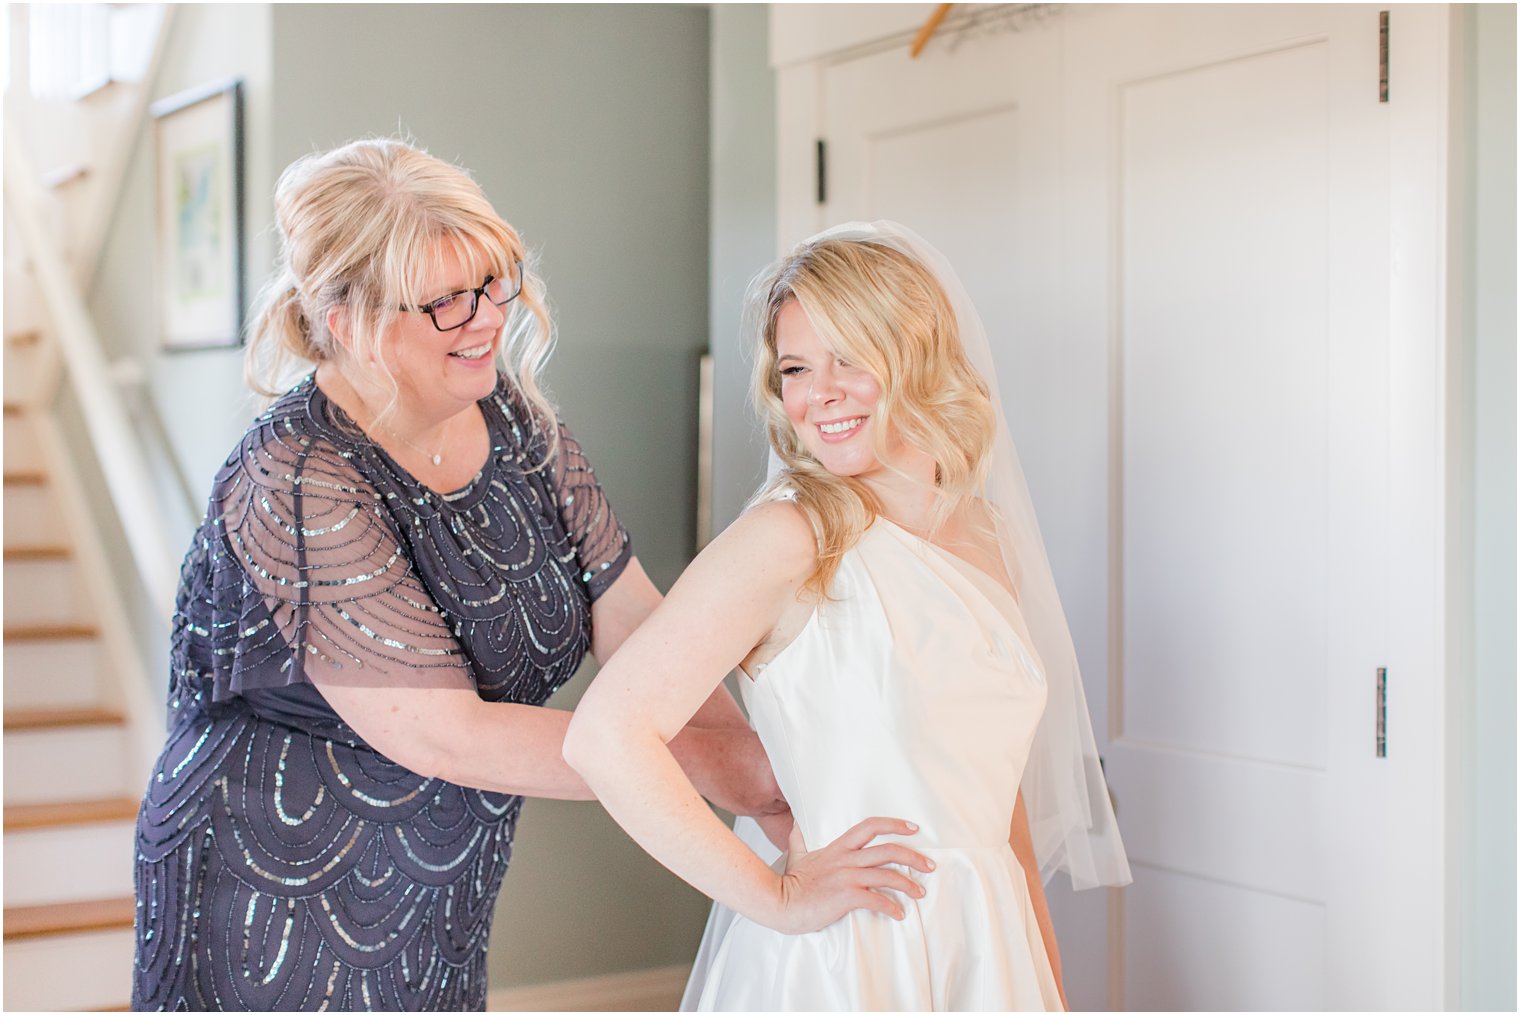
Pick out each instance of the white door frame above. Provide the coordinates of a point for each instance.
(1420, 765)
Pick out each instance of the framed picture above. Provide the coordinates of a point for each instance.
(198, 171)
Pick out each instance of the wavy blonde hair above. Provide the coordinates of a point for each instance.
(364, 227)
(884, 312)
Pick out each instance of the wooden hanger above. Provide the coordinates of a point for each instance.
(927, 32)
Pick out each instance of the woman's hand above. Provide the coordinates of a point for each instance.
(849, 873)
(778, 828)
(730, 768)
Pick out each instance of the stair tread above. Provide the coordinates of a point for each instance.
(69, 812)
(38, 553)
(49, 632)
(68, 917)
(55, 718)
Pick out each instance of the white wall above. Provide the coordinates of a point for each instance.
(200, 395)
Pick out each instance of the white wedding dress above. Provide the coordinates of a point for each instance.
(914, 693)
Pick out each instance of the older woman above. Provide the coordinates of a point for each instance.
(400, 562)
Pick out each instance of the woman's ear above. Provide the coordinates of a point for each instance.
(337, 327)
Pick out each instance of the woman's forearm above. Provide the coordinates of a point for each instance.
(1023, 848)
(1042, 917)
(508, 748)
(452, 734)
(639, 781)
(720, 711)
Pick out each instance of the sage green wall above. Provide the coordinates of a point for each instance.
(1487, 509)
(742, 238)
(587, 128)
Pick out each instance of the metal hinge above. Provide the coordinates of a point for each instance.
(1382, 712)
(1382, 56)
(823, 167)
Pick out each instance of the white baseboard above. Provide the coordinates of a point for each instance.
(640, 990)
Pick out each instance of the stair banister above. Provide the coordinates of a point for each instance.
(110, 428)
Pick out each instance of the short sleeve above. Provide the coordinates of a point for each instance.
(601, 545)
(313, 580)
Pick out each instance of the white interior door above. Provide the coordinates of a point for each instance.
(1179, 226)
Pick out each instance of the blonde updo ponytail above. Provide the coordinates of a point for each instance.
(363, 228)
(279, 339)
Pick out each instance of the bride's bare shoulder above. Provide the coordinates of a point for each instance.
(776, 538)
(783, 549)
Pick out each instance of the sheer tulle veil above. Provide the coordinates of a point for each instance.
(1070, 815)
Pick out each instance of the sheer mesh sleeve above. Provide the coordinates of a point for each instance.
(315, 580)
(602, 547)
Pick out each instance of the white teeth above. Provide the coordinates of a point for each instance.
(475, 353)
(841, 426)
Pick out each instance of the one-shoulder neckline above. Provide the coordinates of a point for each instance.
(979, 577)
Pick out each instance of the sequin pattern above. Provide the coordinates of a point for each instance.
(282, 863)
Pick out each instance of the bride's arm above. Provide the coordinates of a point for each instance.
(1023, 848)
(619, 611)
(726, 603)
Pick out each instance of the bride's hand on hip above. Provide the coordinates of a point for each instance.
(822, 885)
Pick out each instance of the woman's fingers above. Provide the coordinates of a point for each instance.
(850, 873)
(862, 833)
(876, 902)
(892, 852)
(886, 877)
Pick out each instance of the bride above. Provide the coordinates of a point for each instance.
(904, 658)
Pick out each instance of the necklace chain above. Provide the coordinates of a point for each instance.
(435, 456)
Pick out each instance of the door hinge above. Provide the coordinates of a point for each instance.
(1382, 712)
(1382, 56)
(823, 172)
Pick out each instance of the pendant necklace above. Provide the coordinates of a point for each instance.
(435, 456)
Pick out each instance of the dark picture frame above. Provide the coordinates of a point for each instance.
(200, 271)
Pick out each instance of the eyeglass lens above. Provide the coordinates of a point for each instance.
(458, 309)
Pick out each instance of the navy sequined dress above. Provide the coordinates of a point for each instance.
(282, 863)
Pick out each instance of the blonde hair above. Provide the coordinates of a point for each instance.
(884, 312)
(364, 228)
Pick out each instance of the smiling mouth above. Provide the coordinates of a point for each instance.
(475, 353)
(841, 426)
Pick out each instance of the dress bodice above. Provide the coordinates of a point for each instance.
(912, 693)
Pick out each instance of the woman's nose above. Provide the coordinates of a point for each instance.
(488, 315)
(824, 388)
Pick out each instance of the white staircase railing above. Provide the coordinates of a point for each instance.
(71, 352)
(121, 458)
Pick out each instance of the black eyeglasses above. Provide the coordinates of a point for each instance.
(454, 311)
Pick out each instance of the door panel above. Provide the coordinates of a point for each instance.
(1240, 587)
(1275, 956)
